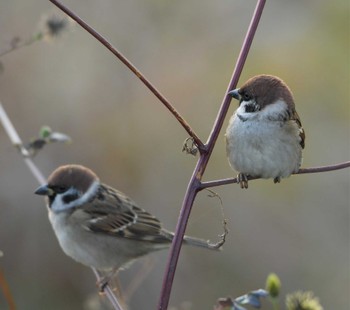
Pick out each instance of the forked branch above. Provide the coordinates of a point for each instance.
(195, 184)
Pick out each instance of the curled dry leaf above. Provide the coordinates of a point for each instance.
(190, 147)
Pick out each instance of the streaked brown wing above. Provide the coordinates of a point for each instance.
(113, 213)
(296, 118)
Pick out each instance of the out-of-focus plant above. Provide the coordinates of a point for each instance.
(46, 136)
(273, 286)
(295, 301)
(51, 27)
(250, 299)
(302, 301)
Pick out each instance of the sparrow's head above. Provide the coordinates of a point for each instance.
(262, 91)
(69, 186)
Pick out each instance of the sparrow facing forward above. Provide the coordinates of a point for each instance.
(99, 226)
(264, 137)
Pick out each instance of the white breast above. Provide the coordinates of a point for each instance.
(260, 146)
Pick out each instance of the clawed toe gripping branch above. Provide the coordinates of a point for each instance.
(205, 149)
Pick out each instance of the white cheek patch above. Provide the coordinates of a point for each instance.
(274, 110)
(271, 112)
(59, 205)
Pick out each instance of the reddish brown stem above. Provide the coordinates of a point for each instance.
(227, 181)
(201, 165)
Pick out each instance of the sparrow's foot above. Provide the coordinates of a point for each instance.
(277, 180)
(242, 180)
(102, 283)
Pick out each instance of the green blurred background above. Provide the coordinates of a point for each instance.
(298, 229)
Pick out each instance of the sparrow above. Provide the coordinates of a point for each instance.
(264, 137)
(100, 226)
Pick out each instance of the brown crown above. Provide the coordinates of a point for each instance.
(267, 89)
(76, 176)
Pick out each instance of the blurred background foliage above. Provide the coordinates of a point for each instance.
(298, 229)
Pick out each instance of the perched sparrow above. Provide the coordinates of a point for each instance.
(264, 137)
(99, 226)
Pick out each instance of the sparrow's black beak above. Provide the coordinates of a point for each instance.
(234, 93)
(44, 190)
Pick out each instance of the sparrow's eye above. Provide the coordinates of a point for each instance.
(246, 97)
(60, 189)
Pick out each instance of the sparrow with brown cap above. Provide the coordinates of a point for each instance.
(264, 137)
(100, 226)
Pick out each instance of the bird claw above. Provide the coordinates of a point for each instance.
(102, 283)
(242, 179)
(277, 180)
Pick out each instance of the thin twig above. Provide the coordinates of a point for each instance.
(133, 69)
(324, 168)
(109, 292)
(10, 129)
(222, 240)
(227, 181)
(235, 76)
(194, 184)
(20, 44)
(17, 142)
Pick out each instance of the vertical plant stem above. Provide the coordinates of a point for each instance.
(201, 165)
(177, 242)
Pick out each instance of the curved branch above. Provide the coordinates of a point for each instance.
(134, 70)
(215, 183)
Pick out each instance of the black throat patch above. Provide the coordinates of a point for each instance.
(250, 108)
(70, 197)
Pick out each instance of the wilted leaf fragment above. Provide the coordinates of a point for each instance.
(60, 137)
(46, 135)
(252, 298)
